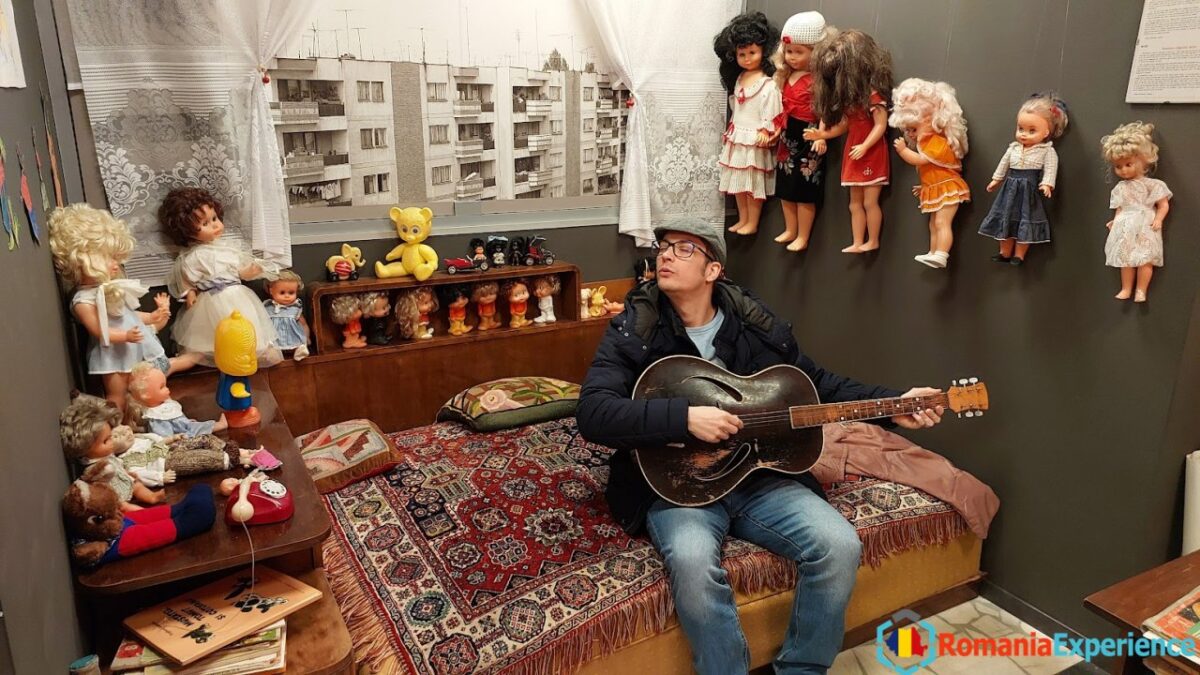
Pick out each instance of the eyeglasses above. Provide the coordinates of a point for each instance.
(681, 249)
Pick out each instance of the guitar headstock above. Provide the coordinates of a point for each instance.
(968, 396)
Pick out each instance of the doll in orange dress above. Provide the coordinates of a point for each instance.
(346, 311)
(929, 113)
(517, 294)
(484, 295)
(457, 299)
(852, 75)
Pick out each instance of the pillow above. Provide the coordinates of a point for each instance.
(511, 402)
(346, 452)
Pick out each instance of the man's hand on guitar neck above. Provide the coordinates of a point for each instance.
(918, 420)
(711, 424)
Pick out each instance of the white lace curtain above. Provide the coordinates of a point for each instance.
(175, 96)
(663, 53)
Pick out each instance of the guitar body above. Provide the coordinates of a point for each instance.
(695, 473)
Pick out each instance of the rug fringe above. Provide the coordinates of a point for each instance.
(936, 529)
(373, 643)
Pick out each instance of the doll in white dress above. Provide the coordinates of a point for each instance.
(1135, 242)
(208, 275)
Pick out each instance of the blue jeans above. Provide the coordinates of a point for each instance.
(786, 518)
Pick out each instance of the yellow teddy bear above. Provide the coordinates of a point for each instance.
(420, 260)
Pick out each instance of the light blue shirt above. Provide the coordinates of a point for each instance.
(703, 336)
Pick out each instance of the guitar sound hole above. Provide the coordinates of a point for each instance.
(723, 386)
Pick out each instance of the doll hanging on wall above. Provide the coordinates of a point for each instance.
(346, 311)
(517, 294)
(1135, 242)
(799, 171)
(746, 161)
(484, 295)
(545, 288)
(457, 299)
(89, 247)
(929, 113)
(286, 310)
(1030, 165)
(208, 275)
(852, 76)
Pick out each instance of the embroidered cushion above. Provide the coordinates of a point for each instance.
(511, 402)
(343, 453)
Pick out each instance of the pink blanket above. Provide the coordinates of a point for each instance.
(870, 450)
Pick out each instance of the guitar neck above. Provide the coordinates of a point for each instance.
(803, 416)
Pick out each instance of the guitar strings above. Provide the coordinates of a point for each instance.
(920, 403)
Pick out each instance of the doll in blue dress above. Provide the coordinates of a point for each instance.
(286, 310)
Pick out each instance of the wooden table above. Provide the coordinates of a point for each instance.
(1130, 602)
(318, 641)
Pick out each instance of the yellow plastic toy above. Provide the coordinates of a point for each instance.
(420, 260)
(344, 266)
(234, 354)
(596, 301)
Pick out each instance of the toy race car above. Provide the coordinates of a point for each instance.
(456, 265)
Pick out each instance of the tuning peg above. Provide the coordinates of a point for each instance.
(974, 380)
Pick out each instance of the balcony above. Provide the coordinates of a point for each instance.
(294, 112)
(469, 188)
(489, 106)
(468, 147)
(467, 108)
(489, 183)
(464, 71)
(520, 142)
(336, 159)
(303, 166)
(605, 165)
(539, 178)
(331, 109)
(539, 142)
(606, 103)
(604, 134)
(538, 108)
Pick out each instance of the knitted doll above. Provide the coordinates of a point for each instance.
(208, 276)
(545, 288)
(852, 76)
(517, 294)
(929, 113)
(286, 310)
(484, 294)
(1135, 242)
(375, 319)
(346, 311)
(799, 170)
(89, 246)
(162, 414)
(456, 299)
(746, 160)
(1029, 166)
(157, 461)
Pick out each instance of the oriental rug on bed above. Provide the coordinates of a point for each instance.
(495, 552)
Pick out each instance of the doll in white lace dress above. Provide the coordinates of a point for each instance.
(208, 276)
(1135, 242)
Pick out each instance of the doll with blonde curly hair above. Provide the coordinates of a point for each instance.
(929, 113)
(89, 247)
(1135, 242)
(413, 308)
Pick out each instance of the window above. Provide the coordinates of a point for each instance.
(555, 93)
(373, 138)
(589, 125)
(589, 154)
(556, 160)
(369, 184)
(441, 175)
(588, 93)
(435, 91)
(439, 133)
(556, 127)
(589, 186)
(375, 182)
(377, 92)
(364, 91)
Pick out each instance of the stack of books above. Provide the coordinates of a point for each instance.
(261, 653)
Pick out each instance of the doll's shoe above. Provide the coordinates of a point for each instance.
(1002, 259)
(540, 319)
(301, 353)
(936, 260)
(1139, 296)
(1016, 262)
(263, 459)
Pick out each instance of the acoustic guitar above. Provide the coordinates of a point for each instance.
(782, 419)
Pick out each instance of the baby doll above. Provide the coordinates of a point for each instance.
(747, 165)
(799, 170)
(85, 428)
(484, 296)
(545, 288)
(852, 75)
(162, 414)
(287, 313)
(346, 311)
(413, 308)
(156, 461)
(1029, 166)
(478, 254)
(929, 112)
(375, 322)
(89, 246)
(208, 275)
(457, 299)
(517, 294)
(1135, 241)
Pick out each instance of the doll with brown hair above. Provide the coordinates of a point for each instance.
(456, 299)
(746, 161)
(89, 247)
(516, 292)
(376, 320)
(1017, 218)
(85, 428)
(413, 308)
(484, 294)
(346, 311)
(545, 288)
(852, 77)
(208, 274)
(286, 310)
(929, 114)
(799, 170)
(162, 414)
(1135, 242)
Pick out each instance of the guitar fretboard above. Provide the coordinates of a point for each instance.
(854, 411)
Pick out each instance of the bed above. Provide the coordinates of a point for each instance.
(495, 553)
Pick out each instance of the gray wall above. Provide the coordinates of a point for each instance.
(1093, 400)
(409, 136)
(35, 580)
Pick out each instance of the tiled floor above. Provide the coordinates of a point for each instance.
(976, 618)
